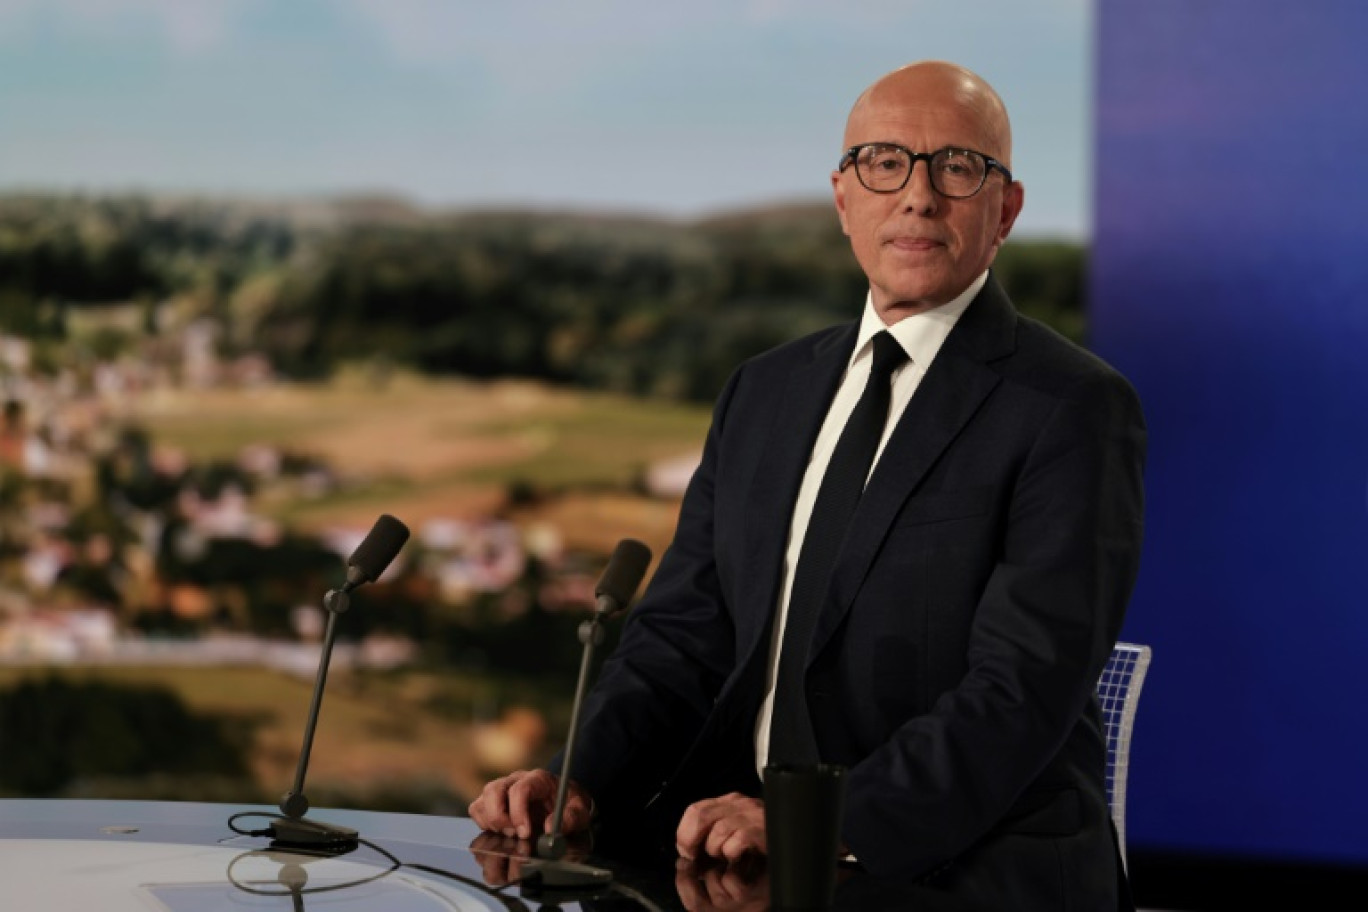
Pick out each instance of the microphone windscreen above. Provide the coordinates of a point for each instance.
(379, 547)
(624, 572)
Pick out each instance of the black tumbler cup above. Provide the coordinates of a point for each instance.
(803, 805)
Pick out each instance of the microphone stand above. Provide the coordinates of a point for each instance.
(295, 829)
(552, 844)
(549, 875)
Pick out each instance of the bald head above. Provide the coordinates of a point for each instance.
(930, 86)
(920, 246)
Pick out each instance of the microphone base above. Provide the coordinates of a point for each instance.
(554, 879)
(313, 835)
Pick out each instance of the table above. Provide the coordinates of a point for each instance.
(166, 856)
(151, 856)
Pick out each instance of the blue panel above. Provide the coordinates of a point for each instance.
(1230, 283)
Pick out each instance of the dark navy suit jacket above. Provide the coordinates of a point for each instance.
(970, 613)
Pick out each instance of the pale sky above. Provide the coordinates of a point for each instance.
(673, 108)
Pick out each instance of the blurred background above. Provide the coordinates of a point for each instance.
(268, 270)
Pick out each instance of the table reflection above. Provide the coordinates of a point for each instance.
(710, 886)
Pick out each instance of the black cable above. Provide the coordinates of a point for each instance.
(269, 831)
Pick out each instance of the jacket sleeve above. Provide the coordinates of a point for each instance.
(657, 688)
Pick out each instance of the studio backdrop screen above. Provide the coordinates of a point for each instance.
(1230, 283)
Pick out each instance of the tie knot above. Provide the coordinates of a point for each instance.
(888, 355)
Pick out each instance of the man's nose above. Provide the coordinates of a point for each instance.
(917, 194)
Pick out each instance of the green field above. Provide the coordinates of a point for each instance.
(422, 447)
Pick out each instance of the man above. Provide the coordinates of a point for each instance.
(961, 625)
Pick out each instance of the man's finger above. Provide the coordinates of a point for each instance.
(690, 832)
(526, 797)
(489, 809)
(698, 821)
(576, 814)
(518, 820)
(721, 831)
(741, 842)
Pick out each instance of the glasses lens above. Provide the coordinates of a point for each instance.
(958, 172)
(882, 168)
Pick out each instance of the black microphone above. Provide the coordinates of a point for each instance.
(621, 577)
(614, 592)
(367, 562)
(380, 546)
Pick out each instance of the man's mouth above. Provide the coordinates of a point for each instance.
(915, 244)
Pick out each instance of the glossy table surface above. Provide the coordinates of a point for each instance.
(153, 856)
(180, 856)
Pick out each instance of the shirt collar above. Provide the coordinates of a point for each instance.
(920, 334)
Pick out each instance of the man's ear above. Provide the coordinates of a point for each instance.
(1013, 198)
(838, 194)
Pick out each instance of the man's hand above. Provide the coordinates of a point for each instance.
(726, 827)
(521, 804)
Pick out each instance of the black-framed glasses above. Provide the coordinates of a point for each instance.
(886, 168)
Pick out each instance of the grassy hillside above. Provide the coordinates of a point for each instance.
(426, 447)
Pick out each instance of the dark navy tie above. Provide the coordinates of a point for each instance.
(791, 736)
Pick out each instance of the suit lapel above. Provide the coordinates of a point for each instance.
(779, 472)
(953, 389)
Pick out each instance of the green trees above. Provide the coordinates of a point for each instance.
(635, 305)
(56, 733)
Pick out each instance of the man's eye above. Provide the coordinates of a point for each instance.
(886, 162)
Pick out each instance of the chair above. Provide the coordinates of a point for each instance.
(1118, 692)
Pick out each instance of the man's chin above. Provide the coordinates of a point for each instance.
(895, 309)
